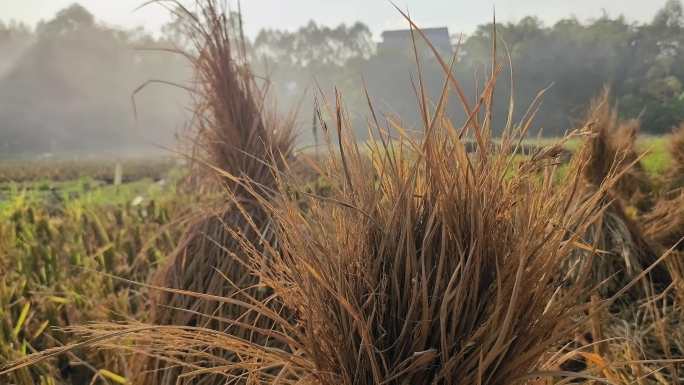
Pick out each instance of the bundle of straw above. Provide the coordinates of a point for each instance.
(239, 150)
(625, 251)
(612, 148)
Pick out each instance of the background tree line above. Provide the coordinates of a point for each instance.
(643, 64)
(66, 84)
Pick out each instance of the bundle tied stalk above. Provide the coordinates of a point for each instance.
(625, 251)
(240, 145)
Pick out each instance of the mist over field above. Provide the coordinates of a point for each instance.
(68, 84)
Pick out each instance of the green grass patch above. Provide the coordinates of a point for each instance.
(658, 158)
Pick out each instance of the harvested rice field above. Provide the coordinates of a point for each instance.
(464, 252)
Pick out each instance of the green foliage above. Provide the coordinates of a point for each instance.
(657, 117)
(54, 257)
(658, 159)
(315, 45)
(642, 63)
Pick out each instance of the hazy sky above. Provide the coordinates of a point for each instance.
(458, 15)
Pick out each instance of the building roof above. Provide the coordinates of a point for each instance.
(399, 38)
(444, 31)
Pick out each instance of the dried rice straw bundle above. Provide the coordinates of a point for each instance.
(239, 149)
(624, 250)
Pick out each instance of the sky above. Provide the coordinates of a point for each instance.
(459, 15)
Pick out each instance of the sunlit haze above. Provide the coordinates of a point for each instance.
(458, 15)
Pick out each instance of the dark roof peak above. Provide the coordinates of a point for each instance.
(425, 30)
